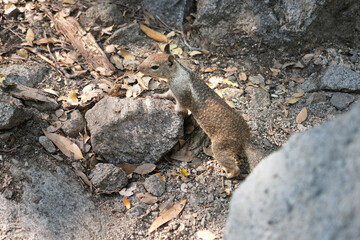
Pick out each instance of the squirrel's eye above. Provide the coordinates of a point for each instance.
(154, 67)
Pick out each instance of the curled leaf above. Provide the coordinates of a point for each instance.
(168, 215)
(159, 37)
(65, 145)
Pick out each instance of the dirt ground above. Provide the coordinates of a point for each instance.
(272, 121)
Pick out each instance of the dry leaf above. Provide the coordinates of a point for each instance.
(297, 79)
(110, 48)
(127, 192)
(168, 215)
(209, 69)
(51, 92)
(228, 82)
(301, 117)
(126, 202)
(283, 88)
(205, 235)
(30, 36)
(126, 54)
(183, 155)
(177, 51)
(184, 172)
(195, 53)
(127, 167)
(230, 69)
(22, 53)
(145, 168)
(298, 94)
(274, 71)
(107, 30)
(242, 76)
(66, 146)
(47, 41)
(292, 100)
(159, 37)
(147, 198)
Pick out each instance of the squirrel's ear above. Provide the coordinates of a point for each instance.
(167, 49)
(171, 60)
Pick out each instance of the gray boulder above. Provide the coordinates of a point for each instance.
(340, 78)
(341, 100)
(280, 23)
(307, 190)
(133, 130)
(127, 35)
(172, 12)
(29, 74)
(102, 14)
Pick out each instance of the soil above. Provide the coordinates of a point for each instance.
(207, 192)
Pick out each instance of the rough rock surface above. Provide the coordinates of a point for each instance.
(47, 144)
(341, 100)
(155, 185)
(126, 35)
(171, 12)
(26, 74)
(259, 97)
(12, 111)
(133, 130)
(281, 21)
(107, 178)
(74, 124)
(340, 78)
(103, 14)
(50, 204)
(306, 190)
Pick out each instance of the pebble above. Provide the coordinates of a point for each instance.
(155, 185)
(341, 100)
(47, 144)
(74, 124)
(258, 79)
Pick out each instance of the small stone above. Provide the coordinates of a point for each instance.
(232, 93)
(259, 97)
(340, 78)
(307, 58)
(341, 100)
(258, 79)
(107, 178)
(316, 98)
(74, 124)
(155, 185)
(47, 144)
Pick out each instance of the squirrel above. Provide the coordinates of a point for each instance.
(227, 130)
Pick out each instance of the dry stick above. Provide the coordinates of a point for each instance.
(85, 43)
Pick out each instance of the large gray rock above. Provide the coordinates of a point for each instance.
(276, 23)
(102, 14)
(12, 112)
(172, 12)
(133, 130)
(340, 78)
(307, 190)
(127, 35)
(47, 201)
(29, 74)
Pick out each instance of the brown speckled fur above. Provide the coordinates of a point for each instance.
(228, 131)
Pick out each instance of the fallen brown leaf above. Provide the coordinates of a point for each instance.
(301, 117)
(145, 168)
(126, 54)
(126, 202)
(159, 37)
(183, 155)
(292, 100)
(128, 168)
(147, 198)
(65, 145)
(298, 94)
(242, 76)
(168, 215)
(161, 176)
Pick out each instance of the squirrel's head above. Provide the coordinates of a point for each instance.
(160, 65)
